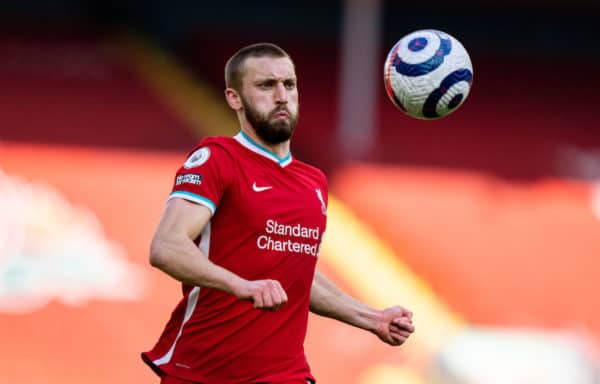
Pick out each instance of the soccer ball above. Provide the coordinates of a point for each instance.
(428, 74)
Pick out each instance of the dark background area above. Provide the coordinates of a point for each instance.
(531, 112)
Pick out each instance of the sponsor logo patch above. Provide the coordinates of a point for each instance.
(188, 178)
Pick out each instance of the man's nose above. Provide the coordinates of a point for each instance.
(281, 95)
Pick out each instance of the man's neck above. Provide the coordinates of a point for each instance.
(281, 150)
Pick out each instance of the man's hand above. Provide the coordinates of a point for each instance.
(267, 295)
(395, 325)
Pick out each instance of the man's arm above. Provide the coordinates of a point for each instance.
(392, 325)
(174, 252)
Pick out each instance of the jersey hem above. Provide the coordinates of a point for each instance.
(161, 373)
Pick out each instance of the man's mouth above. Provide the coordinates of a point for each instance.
(281, 114)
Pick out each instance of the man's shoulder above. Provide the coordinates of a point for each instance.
(310, 169)
(220, 141)
(214, 147)
(221, 144)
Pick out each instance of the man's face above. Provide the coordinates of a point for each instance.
(270, 97)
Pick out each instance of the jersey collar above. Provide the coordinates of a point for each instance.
(252, 145)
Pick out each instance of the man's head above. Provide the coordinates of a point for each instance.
(261, 88)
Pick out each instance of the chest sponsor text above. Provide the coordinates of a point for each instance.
(298, 238)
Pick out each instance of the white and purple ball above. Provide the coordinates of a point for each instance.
(428, 74)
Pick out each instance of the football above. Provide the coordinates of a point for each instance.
(428, 74)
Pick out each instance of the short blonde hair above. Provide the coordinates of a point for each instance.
(234, 69)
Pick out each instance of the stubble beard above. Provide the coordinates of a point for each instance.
(272, 132)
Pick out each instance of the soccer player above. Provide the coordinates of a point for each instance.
(242, 230)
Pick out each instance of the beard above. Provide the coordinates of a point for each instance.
(272, 132)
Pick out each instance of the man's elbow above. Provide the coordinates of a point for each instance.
(158, 254)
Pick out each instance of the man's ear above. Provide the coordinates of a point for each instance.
(233, 99)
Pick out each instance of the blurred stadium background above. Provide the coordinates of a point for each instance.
(485, 223)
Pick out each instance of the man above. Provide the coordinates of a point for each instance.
(242, 230)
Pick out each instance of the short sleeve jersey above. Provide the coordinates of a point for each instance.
(269, 216)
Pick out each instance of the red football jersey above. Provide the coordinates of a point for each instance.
(269, 216)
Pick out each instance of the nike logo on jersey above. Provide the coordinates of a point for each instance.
(256, 188)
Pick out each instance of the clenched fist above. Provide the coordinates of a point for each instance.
(267, 294)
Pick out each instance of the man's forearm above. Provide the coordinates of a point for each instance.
(181, 259)
(328, 300)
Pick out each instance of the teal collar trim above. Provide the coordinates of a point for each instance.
(252, 145)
